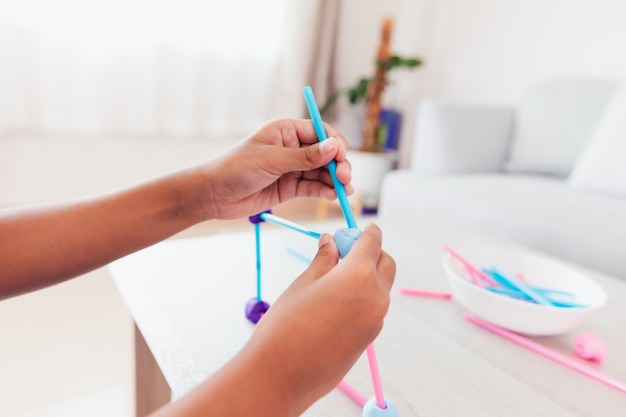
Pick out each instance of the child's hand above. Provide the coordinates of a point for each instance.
(318, 328)
(280, 161)
(307, 341)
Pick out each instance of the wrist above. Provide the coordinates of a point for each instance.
(284, 369)
(250, 384)
(193, 195)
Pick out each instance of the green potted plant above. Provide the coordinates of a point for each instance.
(371, 162)
(370, 90)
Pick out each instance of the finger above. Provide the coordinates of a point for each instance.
(326, 258)
(386, 270)
(319, 189)
(307, 158)
(323, 175)
(368, 245)
(343, 142)
(344, 171)
(307, 135)
(329, 193)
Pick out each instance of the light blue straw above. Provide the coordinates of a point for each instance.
(314, 111)
(299, 255)
(268, 217)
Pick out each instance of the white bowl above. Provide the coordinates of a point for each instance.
(518, 315)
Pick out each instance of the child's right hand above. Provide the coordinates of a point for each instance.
(307, 341)
(323, 322)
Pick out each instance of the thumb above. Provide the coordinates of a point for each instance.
(310, 157)
(326, 258)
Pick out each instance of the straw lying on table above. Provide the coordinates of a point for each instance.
(548, 353)
(425, 293)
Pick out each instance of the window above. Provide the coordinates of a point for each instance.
(186, 67)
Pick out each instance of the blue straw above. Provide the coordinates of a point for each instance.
(299, 255)
(257, 234)
(520, 295)
(314, 111)
(268, 217)
(515, 284)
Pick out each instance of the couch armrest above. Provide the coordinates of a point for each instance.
(457, 139)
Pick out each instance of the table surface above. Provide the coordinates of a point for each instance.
(187, 297)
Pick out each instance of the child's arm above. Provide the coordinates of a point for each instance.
(46, 244)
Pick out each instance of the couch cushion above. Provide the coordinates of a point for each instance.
(553, 122)
(453, 138)
(601, 167)
(539, 212)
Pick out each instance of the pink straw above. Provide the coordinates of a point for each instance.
(351, 392)
(471, 269)
(378, 386)
(550, 354)
(425, 293)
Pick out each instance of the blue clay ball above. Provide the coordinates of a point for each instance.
(370, 409)
(345, 238)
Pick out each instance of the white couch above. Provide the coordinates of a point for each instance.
(549, 173)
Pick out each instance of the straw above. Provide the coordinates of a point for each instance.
(351, 392)
(548, 353)
(318, 124)
(268, 217)
(471, 269)
(425, 293)
(257, 235)
(378, 386)
(316, 117)
(518, 294)
(515, 284)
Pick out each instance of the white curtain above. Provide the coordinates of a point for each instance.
(307, 55)
(147, 67)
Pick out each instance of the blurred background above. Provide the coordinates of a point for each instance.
(135, 87)
(98, 94)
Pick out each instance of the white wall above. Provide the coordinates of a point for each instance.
(474, 50)
(492, 50)
(359, 37)
(487, 51)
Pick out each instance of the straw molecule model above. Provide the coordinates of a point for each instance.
(377, 406)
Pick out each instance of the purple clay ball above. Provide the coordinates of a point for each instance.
(256, 219)
(345, 238)
(255, 309)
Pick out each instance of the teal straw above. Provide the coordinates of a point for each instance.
(515, 284)
(314, 111)
(257, 235)
(268, 217)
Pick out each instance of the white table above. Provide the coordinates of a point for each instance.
(187, 298)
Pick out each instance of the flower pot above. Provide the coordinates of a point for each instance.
(368, 171)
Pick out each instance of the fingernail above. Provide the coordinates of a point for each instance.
(329, 145)
(324, 239)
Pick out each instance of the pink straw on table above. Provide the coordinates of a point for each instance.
(351, 392)
(425, 293)
(471, 269)
(548, 353)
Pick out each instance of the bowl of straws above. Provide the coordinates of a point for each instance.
(520, 290)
